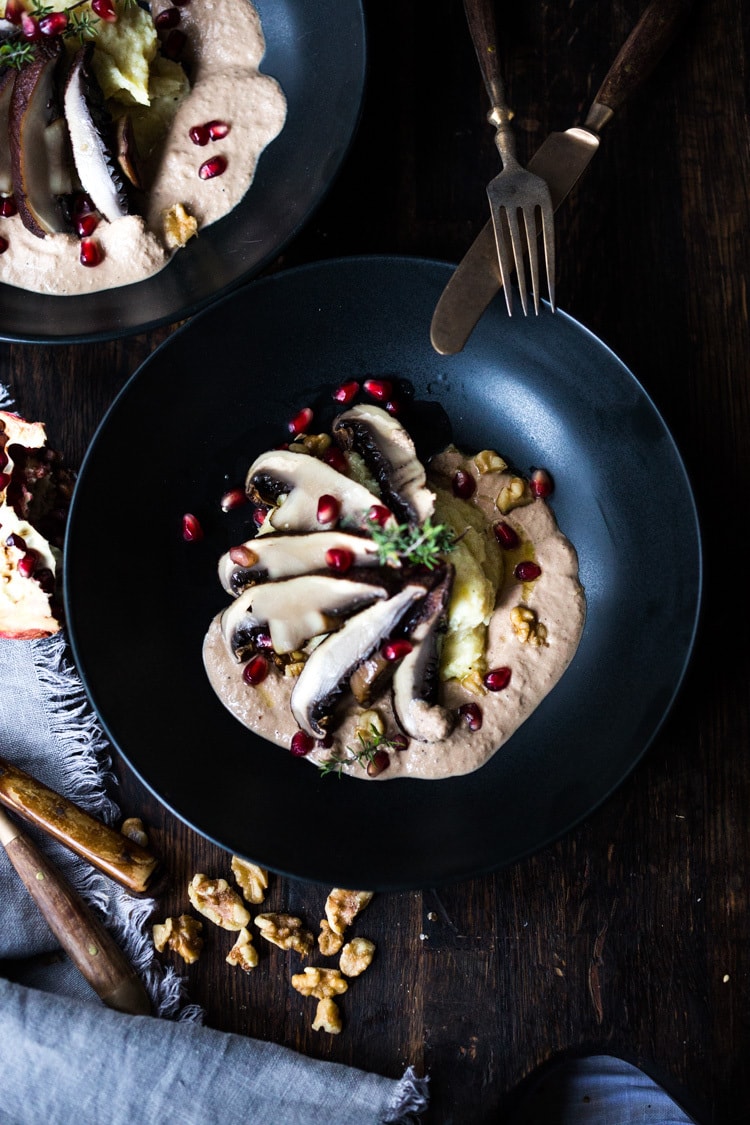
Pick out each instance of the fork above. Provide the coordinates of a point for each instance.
(516, 195)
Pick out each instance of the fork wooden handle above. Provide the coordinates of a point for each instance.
(114, 854)
(89, 945)
(480, 16)
(637, 57)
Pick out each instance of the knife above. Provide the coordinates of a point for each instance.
(561, 160)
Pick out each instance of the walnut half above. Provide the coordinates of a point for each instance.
(329, 943)
(182, 935)
(251, 879)
(286, 931)
(217, 901)
(320, 983)
(327, 1017)
(342, 907)
(356, 956)
(243, 953)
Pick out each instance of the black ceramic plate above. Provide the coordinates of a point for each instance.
(316, 51)
(543, 391)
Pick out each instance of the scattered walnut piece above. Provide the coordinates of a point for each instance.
(488, 461)
(286, 931)
(320, 983)
(179, 226)
(474, 683)
(327, 1017)
(342, 907)
(314, 444)
(217, 901)
(527, 626)
(356, 956)
(243, 952)
(182, 935)
(329, 943)
(134, 830)
(294, 668)
(251, 879)
(369, 722)
(514, 494)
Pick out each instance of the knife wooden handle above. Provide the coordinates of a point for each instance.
(89, 945)
(637, 57)
(114, 854)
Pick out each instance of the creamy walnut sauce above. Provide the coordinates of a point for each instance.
(532, 629)
(225, 46)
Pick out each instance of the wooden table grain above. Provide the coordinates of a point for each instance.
(630, 934)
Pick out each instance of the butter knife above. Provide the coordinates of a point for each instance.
(561, 160)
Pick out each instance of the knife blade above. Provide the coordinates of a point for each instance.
(561, 160)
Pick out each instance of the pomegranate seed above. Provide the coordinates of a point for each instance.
(259, 516)
(346, 392)
(381, 389)
(4, 244)
(300, 422)
(527, 571)
(191, 528)
(497, 679)
(13, 11)
(30, 27)
(54, 23)
(232, 499)
(393, 406)
(105, 9)
(82, 204)
(91, 252)
(242, 556)
(463, 484)
(263, 640)
(334, 457)
(87, 224)
(255, 671)
(378, 514)
(8, 206)
(399, 742)
(506, 535)
(14, 540)
(340, 559)
(396, 650)
(174, 44)
(541, 483)
(215, 166)
(329, 509)
(27, 564)
(326, 742)
(217, 130)
(167, 19)
(471, 713)
(379, 762)
(199, 135)
(4, 481)
(301, 744)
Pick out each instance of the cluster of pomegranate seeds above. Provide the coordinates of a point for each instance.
(3, 244)
(105, 10)
(339, 559)
(87, 224)
(463, 484)
(233, 498)
(13, 11)
(541, 483)
(334, 457)
(214, 166)
(8, 206)
(346, 392)
(211, 131)
(497, 679)
(27, 563)
(191, 528)
(379, 762)
(300, 422)
(91, 252)
(527, 571)
(379, 389)
(329, 509)
(259, 515)
(396, 650)
(471, 713)
(378, 514)
(256, 670)
(54, 23)
(301, 744)
(506, 535)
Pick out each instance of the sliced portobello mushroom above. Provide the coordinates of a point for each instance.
(93, 139)
(282, 556)
(329, 668)
(416, 681)
(302, 480)
(39, 147)
(294, 610)
(7, 77)
(388, 451)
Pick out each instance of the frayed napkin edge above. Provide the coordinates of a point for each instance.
(410, 1099)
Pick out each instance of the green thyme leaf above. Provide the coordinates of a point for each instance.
(17, 54)
(81, 27)
(422, 544)
(369, 744)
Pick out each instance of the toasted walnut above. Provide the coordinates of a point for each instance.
(179, 226)
(182, 935)
(314, 444)
(515, 494)
(243, 952)
(356, 956)
(327, 1017)
(217, 901)
(369, 721)
(488, 461)
(342, 907)
(474, 683)
(320, 983)
(286, 931)
(329, 943)
(294, 668)
(527, 626)
(251, 879)
(134, 830)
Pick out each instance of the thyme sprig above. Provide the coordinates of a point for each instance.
(421, 544)
(369, 745)
(16, 53)
(81, 26)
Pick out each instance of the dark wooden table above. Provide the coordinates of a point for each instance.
(629, 935)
